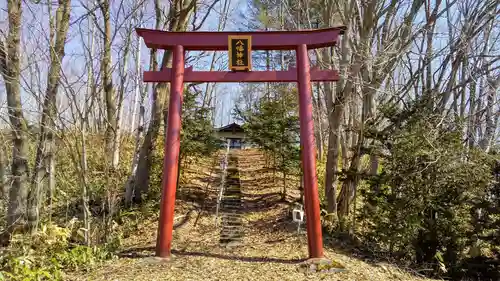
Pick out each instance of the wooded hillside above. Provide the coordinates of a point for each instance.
(407, 140)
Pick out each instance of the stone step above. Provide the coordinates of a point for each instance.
(232, 217)
(234, 212)
(232, 197)
(227, 239)
(228, 242)
(231, 232)
(231, 223)
(232, 205)
(224, 240)
(238, 204)
(231, 235)
(232, 244)
(235, 204)
(226, 226)
(229, 197)
(231, 227)
(232, 209)
(232, 201)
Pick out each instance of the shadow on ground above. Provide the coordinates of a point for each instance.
(144, 252)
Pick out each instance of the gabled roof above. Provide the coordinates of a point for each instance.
(231, 128)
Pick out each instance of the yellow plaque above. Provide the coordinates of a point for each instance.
(240, 52)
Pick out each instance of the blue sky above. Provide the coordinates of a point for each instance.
(35, 48)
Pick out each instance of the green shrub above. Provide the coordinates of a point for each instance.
(421, 206)
(44, 255)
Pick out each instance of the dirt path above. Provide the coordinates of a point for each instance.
(271, 250)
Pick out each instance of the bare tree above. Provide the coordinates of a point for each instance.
(107, 84)
(493, 83)
(123, 72)
(138, 68)
(139, 131)
(380, 43)
(178, 19)
(43, 176)
(3, 168)
(10, 68)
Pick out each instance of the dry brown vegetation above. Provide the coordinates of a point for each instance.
(272, 248)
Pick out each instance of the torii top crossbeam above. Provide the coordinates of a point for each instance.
(261, 40)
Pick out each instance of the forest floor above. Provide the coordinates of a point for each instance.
(272, 249)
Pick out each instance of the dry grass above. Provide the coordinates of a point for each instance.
(272, 247)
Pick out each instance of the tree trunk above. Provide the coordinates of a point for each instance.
(129, 187)
(471, 129)
(141, 182)
(318, 120)
(107, 85)
(122, 86)
(3, 167)
(10, 66)
(492, 85)
(283, 195)
(335, 110)
(43, 176)
(179, 16)
(89, 95)
(138, 68)
(332, 156)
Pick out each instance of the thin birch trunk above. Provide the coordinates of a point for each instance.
(123, 83)
(138, 76)
(107, 85)
(43, 177)
(3, 168)
(471, 116)
(492, 85)
(83, 135)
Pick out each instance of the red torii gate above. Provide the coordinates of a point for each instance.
(178, 43)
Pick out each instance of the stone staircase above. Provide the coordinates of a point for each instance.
(232, 206)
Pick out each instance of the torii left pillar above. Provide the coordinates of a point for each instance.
(172, 148)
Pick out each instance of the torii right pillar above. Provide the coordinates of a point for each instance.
(308, 155)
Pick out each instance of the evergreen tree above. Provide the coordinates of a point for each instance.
(197, 137)
(273, 125)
